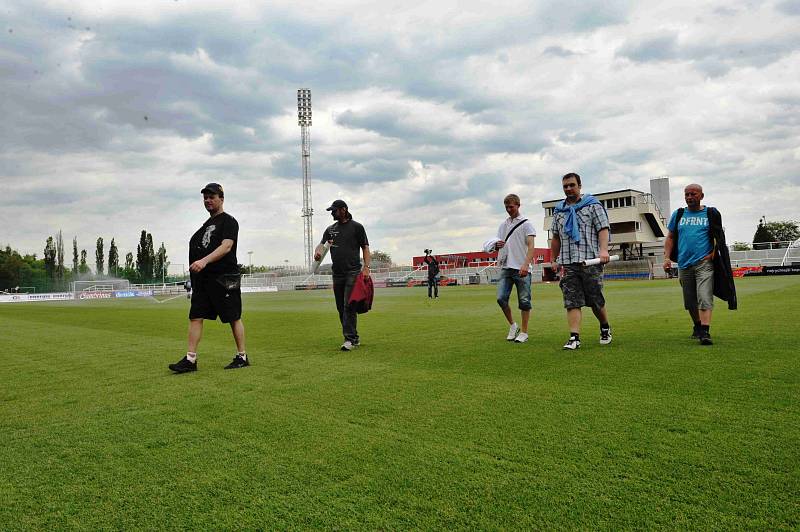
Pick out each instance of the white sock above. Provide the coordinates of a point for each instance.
(243, 355)
(192, 357)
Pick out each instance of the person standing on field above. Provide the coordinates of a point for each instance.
(346, 237)
(215, 280)
(433, 274)
(696, 241)
(580, 232)
(515, 254)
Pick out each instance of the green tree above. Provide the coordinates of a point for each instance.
(21, 271)
(83, 269)
(60, 266)
(741, 246)
(11, 265)
(161, 263)
(113, 259)
(129, 271)
(75, 256)
(783, 231)
(98, 257)
(50, 258)
(762, 236)
(380, 259)
(151, 257)
(142, 258)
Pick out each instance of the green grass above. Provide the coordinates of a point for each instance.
(435, 422)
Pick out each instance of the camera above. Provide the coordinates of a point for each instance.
(427, 251)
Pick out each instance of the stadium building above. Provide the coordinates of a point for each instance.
(473, 259)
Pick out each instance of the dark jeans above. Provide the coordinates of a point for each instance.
(433, 282)
(342, 288)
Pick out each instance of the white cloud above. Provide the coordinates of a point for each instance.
(425, 115)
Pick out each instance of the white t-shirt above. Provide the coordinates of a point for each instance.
(516, 248)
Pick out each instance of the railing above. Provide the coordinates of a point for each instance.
(651, 200)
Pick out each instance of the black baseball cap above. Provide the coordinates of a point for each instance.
(213, 188)
(338, 204)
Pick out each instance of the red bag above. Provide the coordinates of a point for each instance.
(361, 296)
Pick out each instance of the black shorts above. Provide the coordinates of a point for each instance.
(210, 299)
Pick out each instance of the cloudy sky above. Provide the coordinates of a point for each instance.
(116, 113)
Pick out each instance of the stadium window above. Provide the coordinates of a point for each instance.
(628, 201)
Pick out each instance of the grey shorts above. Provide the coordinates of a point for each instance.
(582, 286)
(697, 282)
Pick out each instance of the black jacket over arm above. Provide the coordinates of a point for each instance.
(723, 275)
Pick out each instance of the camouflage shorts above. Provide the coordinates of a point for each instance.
(582, 286)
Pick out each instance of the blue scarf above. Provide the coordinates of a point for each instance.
(571, 223)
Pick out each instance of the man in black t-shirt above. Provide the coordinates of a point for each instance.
(214, 273)
(346, 237)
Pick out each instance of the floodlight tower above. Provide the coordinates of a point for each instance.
(304, 121)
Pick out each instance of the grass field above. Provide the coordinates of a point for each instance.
(435, 422)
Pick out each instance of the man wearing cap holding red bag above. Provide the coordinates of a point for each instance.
(346, 238)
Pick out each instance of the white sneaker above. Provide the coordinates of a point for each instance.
(521, 338)
(512, 332)
(572, 344)
(347, 346)
(605, 336)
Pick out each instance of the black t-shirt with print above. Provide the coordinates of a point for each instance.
(209, 237)
(348, 238)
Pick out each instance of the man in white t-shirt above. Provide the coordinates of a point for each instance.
(515, 254)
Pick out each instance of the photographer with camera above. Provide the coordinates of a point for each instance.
(433, 274)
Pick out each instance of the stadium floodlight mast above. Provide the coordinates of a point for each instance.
(304, 121)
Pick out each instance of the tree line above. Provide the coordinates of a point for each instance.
(52, 272)
(771, 235)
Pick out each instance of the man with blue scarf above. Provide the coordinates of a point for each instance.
(580, 232)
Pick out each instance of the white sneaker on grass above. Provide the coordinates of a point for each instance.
(521, 338)
(347, 346)
(605, 336)
(573, 343)
(512, 332)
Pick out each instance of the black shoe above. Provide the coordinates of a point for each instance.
(184, 365)
(705, 338)
(238, 362)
